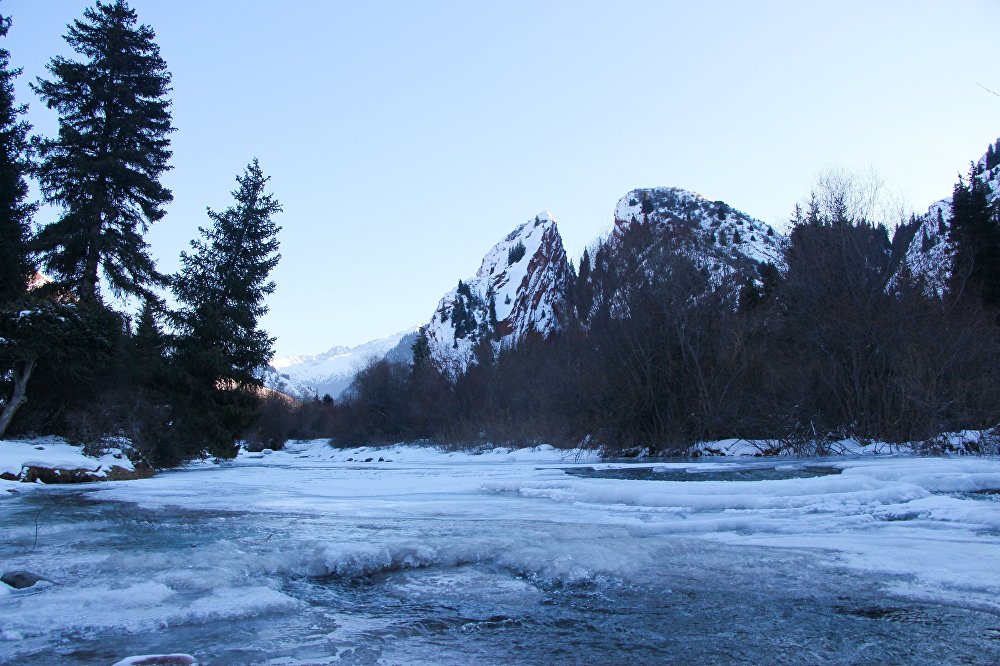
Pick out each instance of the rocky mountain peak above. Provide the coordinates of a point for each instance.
(713, 233)
(519, 289)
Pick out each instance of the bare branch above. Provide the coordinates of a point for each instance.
(992, 92)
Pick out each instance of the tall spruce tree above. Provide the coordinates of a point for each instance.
(975, 233)
(221, 288)
(104, 167)
(15, 212)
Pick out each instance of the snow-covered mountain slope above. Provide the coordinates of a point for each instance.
(286, 384)
(330, 372)
(521, 287)
(714, 234)
(930, 253)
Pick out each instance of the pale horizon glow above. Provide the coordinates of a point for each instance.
(405, 139)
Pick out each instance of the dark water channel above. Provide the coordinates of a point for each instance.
(704, 473)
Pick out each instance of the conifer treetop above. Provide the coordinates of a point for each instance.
(104, 166)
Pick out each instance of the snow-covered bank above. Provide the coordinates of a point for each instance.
(964, 442)
(318, 451)
(51, 459)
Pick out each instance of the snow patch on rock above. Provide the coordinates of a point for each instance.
(520, 289)
(930, 254)
(53, 453)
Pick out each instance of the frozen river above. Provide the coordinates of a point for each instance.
(316, 556)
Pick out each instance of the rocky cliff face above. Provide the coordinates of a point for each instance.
(715, 235)
(930, 254)
(520, 289)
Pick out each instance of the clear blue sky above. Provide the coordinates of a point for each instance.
(405, 138)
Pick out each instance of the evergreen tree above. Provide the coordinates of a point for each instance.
(975, 233)
(494, 323)
(36, 333)
(148, 343)
(421, 348)
(647, 206)
(103, 169)
(221, 288)
(813, 216)
(925, 242)
(459, 315)
(15, 214)
(797, 216)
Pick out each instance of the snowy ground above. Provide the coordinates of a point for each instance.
(410, 555)
(54, 453)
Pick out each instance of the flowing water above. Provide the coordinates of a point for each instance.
(419, 569)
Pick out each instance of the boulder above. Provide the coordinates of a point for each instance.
(33, 473)
(21, 579)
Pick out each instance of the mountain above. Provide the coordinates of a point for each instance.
(929, 254)
(713, 233)
(520, 288)
(332, 371)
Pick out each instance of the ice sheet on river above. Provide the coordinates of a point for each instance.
(934, 519)
(486, 536)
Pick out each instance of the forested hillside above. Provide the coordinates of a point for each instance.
(692, 321)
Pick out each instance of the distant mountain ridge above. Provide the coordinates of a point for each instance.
(523, 285)
(525, 282)
(315, 375)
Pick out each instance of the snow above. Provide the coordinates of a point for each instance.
(710, 220)
(870, 516)
(55, 453)
(337, 361)
(176, 659)
(526, 294)
(329, 372)
(503, 520)
(931, 260)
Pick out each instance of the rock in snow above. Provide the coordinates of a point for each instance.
(59, 462)
(20, 579)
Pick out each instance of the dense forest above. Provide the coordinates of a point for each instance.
(655, 352)
(175, 382)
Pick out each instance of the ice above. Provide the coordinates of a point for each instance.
(175, 659)
(421, 555)
(888, 496)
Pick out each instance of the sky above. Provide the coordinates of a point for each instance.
(404, 139)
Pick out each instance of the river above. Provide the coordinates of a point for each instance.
(316, 556)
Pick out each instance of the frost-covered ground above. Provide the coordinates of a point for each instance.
(54, 453)
(410, 555)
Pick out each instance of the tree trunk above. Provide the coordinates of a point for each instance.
(88, 282)
(18, 398)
